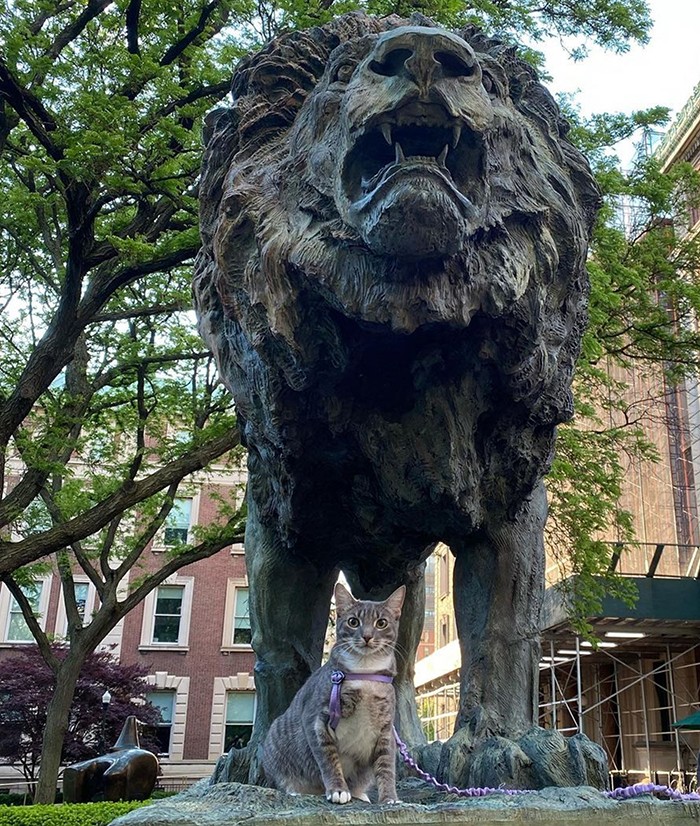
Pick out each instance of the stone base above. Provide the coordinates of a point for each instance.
(236, 804)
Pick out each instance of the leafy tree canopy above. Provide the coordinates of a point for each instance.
(642, 345)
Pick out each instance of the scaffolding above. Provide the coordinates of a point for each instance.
(625, 698)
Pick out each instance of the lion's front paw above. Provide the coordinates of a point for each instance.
(539, 758)
(338, 796)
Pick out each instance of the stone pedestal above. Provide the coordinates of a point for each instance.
(234, 804)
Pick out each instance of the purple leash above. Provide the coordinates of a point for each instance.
(338, 677)
(637, 790)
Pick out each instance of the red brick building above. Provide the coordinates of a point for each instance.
(192, 634)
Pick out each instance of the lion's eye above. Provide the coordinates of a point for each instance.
(343, 73)
(454, 65)
(353, 622)
(381, 623)
(487, 82)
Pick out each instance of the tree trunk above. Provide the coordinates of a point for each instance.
(57, 716)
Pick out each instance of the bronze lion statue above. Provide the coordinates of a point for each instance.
(392, 277)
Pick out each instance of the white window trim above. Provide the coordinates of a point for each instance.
(159, 545)
(243, 681)
(149, 610)
(227, 643)
(6, 602)
(61, 629)
(162, 681)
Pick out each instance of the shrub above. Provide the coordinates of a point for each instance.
(66, 814)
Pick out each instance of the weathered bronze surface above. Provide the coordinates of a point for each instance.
(126, 772)
(393, 280)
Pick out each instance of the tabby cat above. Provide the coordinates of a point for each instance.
(337, 741)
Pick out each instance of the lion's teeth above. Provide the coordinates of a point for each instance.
(442, 157)
(400, 157)
(456, 134)
(386, 131)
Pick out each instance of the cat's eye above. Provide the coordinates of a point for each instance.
(353, 622)
(381, 623)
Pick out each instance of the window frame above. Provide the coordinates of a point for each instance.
(233, 585)
(149, 608)
(62, 616)
(6, 603)
(238, 693)
(159, 544)
(172, 693)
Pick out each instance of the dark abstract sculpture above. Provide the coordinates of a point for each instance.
(392, 278)
(126, 772)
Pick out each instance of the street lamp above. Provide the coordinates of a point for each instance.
(106, 700)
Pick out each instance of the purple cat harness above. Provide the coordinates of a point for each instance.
(337, 678)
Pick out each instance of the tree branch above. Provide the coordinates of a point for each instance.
(178, 48)
(14, 555)
(133, 12)
(66, 36)
(31, 110)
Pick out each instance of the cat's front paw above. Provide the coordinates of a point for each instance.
(339, 796)
(390, 800)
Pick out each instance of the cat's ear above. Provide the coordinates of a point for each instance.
(395, 601)
(344, 600)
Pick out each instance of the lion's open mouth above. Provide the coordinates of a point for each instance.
(421, 140)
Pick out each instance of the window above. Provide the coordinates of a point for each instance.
(444, 630)
(81, 591)
(168, 613)
(444, 572)
(241, 618)
(240, 713)
(236, 633)
(177, 523)
(164, 701)
(85, 602)
(17, 628)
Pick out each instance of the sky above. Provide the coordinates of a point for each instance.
(664, 72)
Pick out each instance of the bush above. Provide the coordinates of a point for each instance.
(13, 799)
(66, 814)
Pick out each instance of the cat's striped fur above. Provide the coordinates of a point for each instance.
(302, 754)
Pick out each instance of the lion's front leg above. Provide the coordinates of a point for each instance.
(289, 606)
(498, 594)
(499, 590)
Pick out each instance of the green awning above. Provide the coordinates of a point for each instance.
(690, 722)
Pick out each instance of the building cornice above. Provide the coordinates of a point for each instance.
(686, 123)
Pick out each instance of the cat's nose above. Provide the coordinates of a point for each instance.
(367, 638)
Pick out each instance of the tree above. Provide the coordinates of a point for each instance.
(108, 401)
(27, 685)
(644, 306)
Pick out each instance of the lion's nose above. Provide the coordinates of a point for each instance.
(424, 58)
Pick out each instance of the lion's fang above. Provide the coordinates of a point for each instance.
(386, 131)
(400, 157)
(456, 134)
(442, 157)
